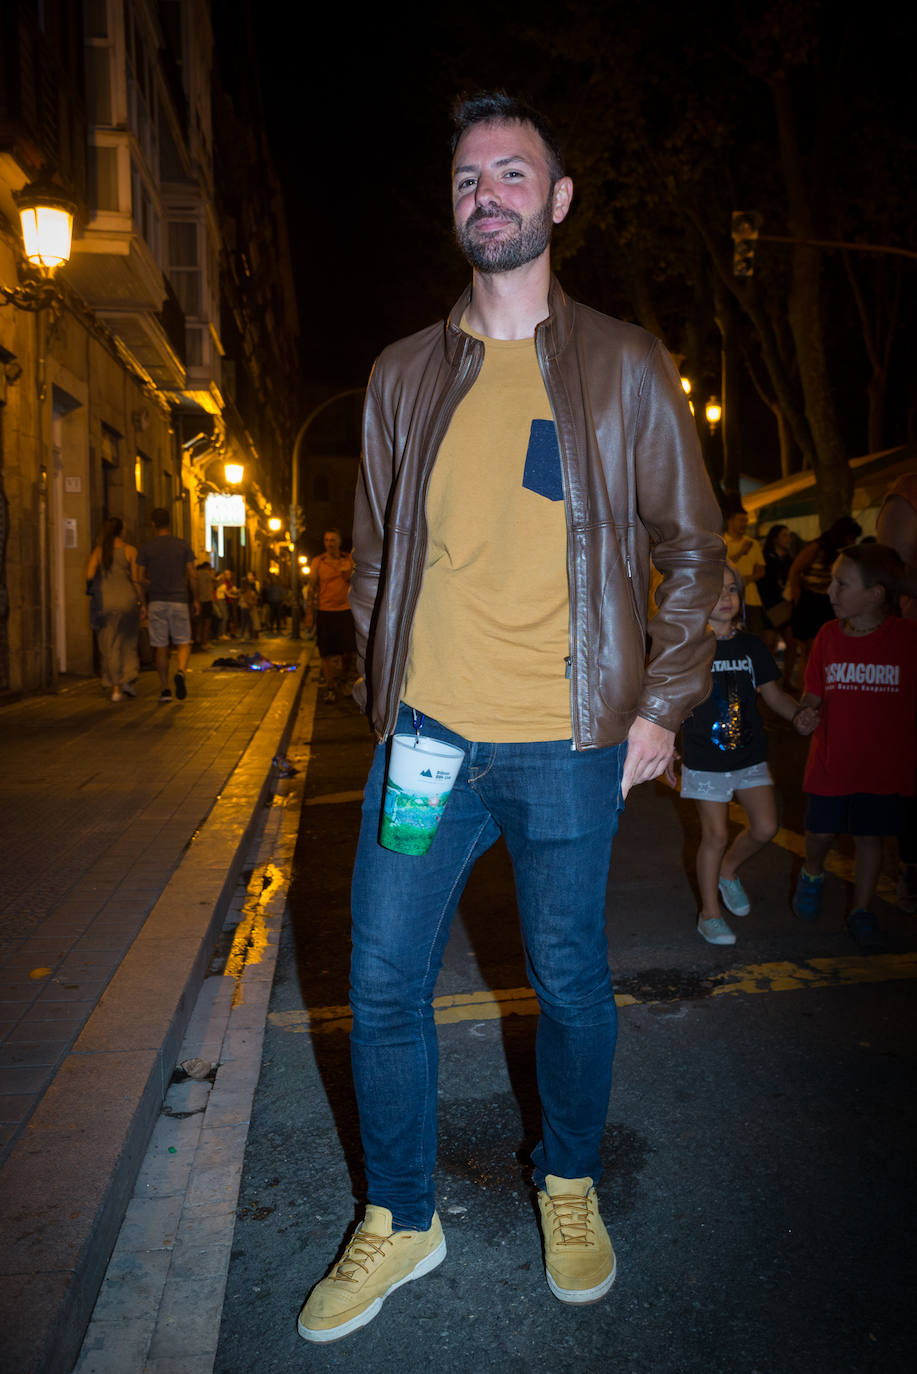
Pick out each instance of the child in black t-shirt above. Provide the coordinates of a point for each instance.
(724, 751)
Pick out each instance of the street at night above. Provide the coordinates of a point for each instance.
(539, 382)
(759, 1147)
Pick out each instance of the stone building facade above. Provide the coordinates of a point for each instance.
(158, 360)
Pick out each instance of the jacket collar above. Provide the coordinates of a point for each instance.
(555, 330)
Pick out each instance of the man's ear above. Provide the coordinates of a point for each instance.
(561, 199)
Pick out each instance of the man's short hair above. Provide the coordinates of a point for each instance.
(496, 107)
(160, 518)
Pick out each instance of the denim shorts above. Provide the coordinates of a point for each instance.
(169, 619)
(720, 787)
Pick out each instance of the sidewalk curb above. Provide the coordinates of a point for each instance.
(95, 1119)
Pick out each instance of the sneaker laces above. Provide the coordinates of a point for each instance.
(362, 1252)
(572, 1218)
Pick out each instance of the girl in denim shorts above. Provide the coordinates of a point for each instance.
(724, 751)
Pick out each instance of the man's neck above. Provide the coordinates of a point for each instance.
(509, 305)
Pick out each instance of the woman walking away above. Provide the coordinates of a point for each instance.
(112, 562)
(725, 756)
(862, 673)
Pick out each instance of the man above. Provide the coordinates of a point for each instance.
(168, 574)
(747, 555)
(517, 464)
(327, 604)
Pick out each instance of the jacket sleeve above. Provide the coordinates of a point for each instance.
(675, 503)
(373, 486)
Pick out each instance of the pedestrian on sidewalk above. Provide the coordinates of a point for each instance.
(204, 622)
(165, 576)
(862, 673)
(328, 606)
(113, 563)
(807, 581)
(249, 623)
(499, 594)
(724, 749)
(747, 557)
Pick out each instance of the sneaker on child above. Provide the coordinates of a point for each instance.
(864, 929)
(808, 895)
(735, 898)
(715, 931)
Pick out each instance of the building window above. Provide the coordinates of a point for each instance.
(103, 178)
(194, 345)
(111, 446)
(143, 474)
(98, 84)
(95, 18)
(184, 265)
(144, 211)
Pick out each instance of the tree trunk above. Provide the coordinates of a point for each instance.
(833, 483)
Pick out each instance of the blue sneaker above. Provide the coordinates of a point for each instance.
(735, 898)
(864, 929)
(808, 894)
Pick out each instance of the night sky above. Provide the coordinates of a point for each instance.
(359, 119)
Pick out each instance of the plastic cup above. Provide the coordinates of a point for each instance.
(420, 777)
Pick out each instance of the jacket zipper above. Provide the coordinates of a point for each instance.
(460, 385)
(572, 658)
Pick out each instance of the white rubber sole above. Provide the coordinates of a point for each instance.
(337, 1333)
(583, 1294)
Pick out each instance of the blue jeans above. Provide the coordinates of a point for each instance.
(558, 810)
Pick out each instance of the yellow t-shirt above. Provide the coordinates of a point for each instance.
(491, 633)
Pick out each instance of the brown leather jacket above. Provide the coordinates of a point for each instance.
(634, 481)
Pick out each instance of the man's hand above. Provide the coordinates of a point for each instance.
(649, 751)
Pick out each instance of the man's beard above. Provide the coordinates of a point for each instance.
(500, 254)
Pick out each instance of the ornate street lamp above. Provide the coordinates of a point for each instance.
(46, 215)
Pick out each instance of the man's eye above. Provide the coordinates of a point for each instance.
(513, 172)
(466, 183)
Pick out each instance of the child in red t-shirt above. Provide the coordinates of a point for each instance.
(862, 673)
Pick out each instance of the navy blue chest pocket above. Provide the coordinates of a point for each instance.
(542, 462)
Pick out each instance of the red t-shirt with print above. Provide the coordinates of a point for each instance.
(867, 738)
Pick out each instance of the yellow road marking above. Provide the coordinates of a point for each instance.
(780, 976)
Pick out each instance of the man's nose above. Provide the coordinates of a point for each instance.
(487, 192)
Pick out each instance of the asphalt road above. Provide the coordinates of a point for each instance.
(759, 1182)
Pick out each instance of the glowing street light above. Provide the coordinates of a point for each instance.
(47, 226)
(46, 217)
(274, 523)
(714, 413)
(234, 473)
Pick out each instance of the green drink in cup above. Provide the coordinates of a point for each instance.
(420, 777)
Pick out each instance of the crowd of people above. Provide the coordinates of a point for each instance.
(126, 585)
(843, 614)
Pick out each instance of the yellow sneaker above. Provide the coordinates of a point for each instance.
(375, 1263)
(579, 1261)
